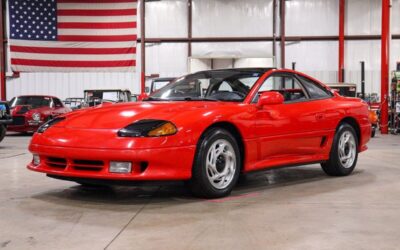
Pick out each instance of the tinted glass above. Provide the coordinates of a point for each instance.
(57, 103)
(220, 85)
(288, 86)
(33, 101)
(315, 90)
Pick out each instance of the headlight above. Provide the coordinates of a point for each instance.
(50, 123)
(36, 117)
(148, 128)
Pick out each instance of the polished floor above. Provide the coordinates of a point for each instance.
(294, 208)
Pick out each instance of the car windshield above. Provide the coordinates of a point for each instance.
(32, 101)
(218, 85)
(159, 84)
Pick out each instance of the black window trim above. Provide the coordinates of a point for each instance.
(330, 95)
(286, 74)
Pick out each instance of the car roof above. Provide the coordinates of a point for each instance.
(107, 90)
(48, 96)
(244, 70)
(164, 79)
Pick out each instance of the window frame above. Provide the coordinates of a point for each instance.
(329, 93)
(57, 100)
(284, 74)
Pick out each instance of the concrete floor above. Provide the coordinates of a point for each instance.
(295, 208)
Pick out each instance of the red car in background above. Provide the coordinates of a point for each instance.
(29, 112)
(207, 128)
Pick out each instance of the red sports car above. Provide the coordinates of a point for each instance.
(207, 128)
(30, 112)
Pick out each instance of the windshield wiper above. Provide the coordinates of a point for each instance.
(200, 99)
(189, 99)
(154, 99)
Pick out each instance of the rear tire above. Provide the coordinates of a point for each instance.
(344, 153)
(373, 133)
(217, 165)
(3, 131)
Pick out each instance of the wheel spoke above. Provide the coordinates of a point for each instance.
(347, 149)
(221, 164)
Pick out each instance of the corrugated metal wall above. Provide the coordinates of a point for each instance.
(167, 18)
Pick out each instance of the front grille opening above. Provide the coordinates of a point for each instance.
(18, 121)
(56, 162)
(89, 163)
(91, 169)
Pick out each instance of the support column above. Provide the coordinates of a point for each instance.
(283, 32)
(274, 2)
(363, 80)
(341, 39)
(3, 51)
(385, 47)
(190, 26)
(143, 45)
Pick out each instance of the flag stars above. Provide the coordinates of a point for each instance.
(33, 20)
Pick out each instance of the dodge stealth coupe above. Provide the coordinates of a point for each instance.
(206, 129)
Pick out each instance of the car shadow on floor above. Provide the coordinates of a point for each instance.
(277, 184)
(17, 134)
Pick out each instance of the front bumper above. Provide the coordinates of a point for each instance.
(6, 121)
(23, 128)
(365, 137)
(158, 164)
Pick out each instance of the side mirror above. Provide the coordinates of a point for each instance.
(270, 98)
(142, 96)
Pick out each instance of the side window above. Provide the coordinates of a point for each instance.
(225, 87)
(315, 90)
(57, 103)
(288, 86)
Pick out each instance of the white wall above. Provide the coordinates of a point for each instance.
(213, 18)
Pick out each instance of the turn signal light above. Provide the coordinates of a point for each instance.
(166, 129)
(373, 117)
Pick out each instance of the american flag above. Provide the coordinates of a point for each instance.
(73, 35)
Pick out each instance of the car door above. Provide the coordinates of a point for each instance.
(289, 129)
(324, 106)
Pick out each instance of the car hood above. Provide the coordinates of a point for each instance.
(120, 115)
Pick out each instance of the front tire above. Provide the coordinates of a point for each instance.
(3, 131)
(344, 152)
(217, 165)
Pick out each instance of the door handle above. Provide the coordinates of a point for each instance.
(319, 116)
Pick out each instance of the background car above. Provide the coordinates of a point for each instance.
(96, 97)
(206, 129)
(5, 119)
(74, 102)
(350, 90)
(29, 112)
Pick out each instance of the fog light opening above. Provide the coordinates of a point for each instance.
(143, 166)
(120, 167)
(36, 160)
